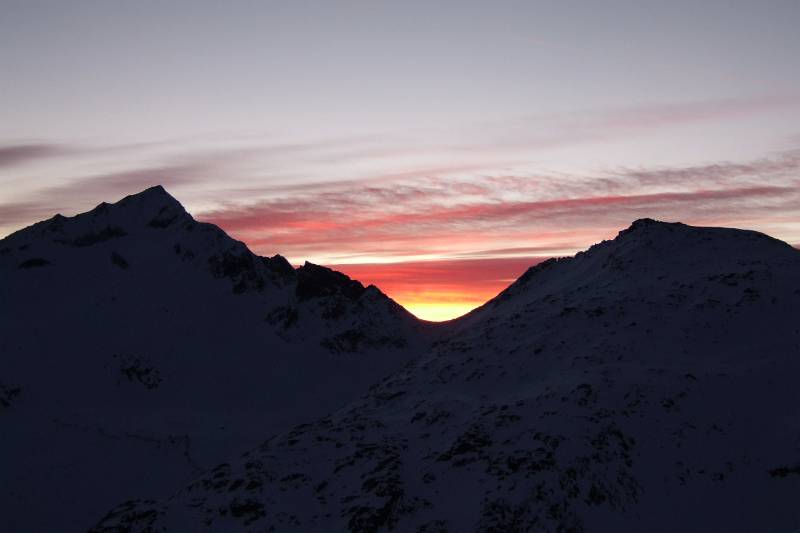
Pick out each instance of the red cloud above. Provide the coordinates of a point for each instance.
(441, 289)
(345, 224)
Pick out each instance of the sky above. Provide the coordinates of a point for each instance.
(435, 149)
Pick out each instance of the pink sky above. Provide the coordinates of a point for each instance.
(433, 149)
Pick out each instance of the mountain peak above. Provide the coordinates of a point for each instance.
(156, 194)
(646, 252)
(647, 221)
(155, 189)
(649, 224)
(155, 204)
(153, 207)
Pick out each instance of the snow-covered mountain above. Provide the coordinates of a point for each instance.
(647, 384)
(139, 348)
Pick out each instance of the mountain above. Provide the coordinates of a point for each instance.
(139, 347)
(647, 384)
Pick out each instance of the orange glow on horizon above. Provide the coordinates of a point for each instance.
(438, 305)
(443, 289)
(438, 311)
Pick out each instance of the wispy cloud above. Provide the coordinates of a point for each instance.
(304, 197)
(17, 154)
(454, 234)
(456, 217)
(543, 131)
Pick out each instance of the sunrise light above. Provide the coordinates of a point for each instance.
(438, 311)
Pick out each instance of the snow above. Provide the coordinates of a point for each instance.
(139, 344)
(647, 384)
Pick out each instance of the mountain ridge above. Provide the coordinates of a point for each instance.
(136, 338)
(638, 238)
(600, 392)
(156, 208)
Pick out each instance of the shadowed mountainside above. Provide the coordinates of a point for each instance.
(140, 347)
(647, 384)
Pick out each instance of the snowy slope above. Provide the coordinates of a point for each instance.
(647, 384)
(139, 347)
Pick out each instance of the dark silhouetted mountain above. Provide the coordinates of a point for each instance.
(139, 347)
(647, 384)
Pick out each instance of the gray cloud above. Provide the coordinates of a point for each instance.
(17, 154)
